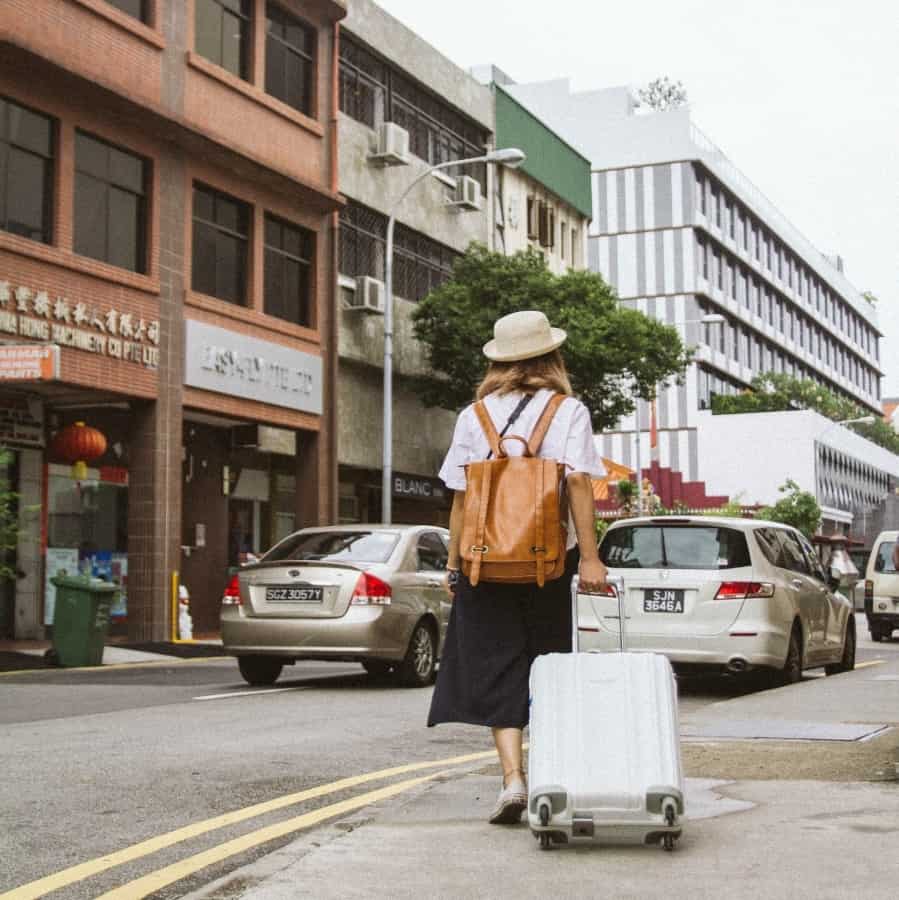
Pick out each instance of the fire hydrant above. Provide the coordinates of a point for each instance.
(185, 623)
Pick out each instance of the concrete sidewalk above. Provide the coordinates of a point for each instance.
(29, 655)
(782, 836)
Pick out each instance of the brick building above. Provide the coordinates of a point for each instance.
(168, 221)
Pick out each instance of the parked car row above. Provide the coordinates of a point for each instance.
(730, 595)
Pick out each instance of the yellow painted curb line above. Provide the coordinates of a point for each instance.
(157, 880)
(88, 869)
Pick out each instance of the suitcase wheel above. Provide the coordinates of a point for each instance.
(546, 842)
(668, 841)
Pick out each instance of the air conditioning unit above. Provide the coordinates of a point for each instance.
(393, 145)
(467, 194)
(369, 295)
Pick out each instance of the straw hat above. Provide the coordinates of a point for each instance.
(523, 335)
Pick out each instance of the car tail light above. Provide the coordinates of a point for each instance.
(371, 591)
(606, 591)
(869, 590)
(231, 596)
(742, 590)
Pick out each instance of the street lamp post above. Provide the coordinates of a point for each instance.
(707, 319)
(511, 157)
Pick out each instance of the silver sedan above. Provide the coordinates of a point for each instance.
(365, 593)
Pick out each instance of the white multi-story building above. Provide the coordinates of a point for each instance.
(681, 233)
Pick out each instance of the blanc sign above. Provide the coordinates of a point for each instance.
(228, 363)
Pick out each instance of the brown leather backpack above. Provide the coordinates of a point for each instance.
(514, 528)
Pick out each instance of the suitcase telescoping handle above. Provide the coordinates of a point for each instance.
(614, 581)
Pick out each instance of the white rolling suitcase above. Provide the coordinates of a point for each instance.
(604, 760)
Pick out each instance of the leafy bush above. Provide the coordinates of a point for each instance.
(9, 518)
(797, 508)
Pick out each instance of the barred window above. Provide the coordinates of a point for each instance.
(420, 264)
(372, 91)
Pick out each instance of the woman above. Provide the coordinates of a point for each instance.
(496, 630)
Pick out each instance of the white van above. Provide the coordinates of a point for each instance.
(882, 588)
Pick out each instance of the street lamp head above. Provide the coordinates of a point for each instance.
(511, 157)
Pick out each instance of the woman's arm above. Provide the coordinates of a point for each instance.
(592, 571)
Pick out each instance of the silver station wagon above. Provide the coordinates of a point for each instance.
(731, 594)
(364, 593)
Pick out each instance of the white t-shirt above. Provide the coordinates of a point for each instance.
(569, 438)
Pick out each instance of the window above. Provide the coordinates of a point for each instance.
(136, 8)
(420, 264)
(372, 91)
(675, 547)
(575, 248)
(563, 232)
(110, 204)
(289, 252)
(432, 553)
(337, 546)
(289, 59)
(219, 259)
(223, 34)
(26, 172)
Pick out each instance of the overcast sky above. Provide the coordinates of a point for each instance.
(802, 95)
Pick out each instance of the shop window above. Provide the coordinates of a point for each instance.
(220, 233)
(26, 172)
(136, 8)
(110, 203)
(87, 531)
(289, 59)
(223, 34)
(289, 252)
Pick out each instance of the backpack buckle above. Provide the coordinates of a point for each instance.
(538, 549)
(479, 549)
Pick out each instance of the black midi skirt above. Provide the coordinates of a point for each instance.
(495, 632)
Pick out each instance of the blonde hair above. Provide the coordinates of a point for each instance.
(527, 376)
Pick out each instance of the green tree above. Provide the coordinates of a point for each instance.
(9, 518)
(609, 349)
(797, 508)
(775, 392)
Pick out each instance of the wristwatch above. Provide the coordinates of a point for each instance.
(452, 578)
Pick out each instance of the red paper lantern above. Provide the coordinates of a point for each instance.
(79, 444)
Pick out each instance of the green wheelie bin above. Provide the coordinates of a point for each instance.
(81, 619)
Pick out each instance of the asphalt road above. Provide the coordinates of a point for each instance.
(96, 761)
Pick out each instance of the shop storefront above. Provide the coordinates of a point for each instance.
(416, 499)
(250, 467)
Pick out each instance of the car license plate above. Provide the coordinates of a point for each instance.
(663, 600)
(296, 593)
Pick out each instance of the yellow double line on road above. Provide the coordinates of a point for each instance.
(162, 877)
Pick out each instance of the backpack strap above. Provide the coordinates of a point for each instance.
(480, 548)
(544, 422)
(540, 546)
(488, 427)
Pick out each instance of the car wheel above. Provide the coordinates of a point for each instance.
(377, 668)
(260, 670)
(420, 665)
(876, 635)
(847, 660)
(791, 673)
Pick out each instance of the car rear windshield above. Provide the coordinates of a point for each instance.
(674, 547)
(336, 546)
(884, 560)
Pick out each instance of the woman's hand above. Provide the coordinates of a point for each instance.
(592, 574)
